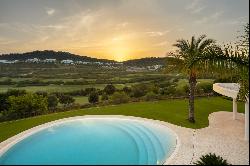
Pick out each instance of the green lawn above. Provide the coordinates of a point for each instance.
(183, 82)
(173, 111)
(81, 100)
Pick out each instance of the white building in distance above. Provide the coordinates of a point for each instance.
(34, 60)
(67, 61)
(49, 60)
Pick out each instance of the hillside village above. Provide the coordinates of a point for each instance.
(107, 65)
(41, 57)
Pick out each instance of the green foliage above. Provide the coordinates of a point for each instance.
(66, 99)
(3, 102)
(109, 89)
(104, 97)
(26, 105)
(170, 90)
(42, 93)
(227, 79)
(206, 87)
(15, 92)
(90, 90)
(211, 159)
(192, 55)
(120, 97)
(186, 89)
(139, 90)
(150, 96)
(127, 90)
(93, 97)
(52, 101)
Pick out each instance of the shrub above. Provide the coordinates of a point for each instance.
(151, 96)
(170, 90)
(15, 92)
(42, 93)
(109, 89)
(175, 80)
(127, 90)
(120, 97)
(89, 90)
(66, 99)
(26, 105)
(154, 88)
(139, 90)
(93, 97)
(3, 102)
(206, 87)
(104, 97)
(211, 159)
(52, 101)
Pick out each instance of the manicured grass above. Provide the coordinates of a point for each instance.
(173, 111)
(183, 82)
(81, 100)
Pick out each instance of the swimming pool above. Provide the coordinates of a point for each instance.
(95, 141)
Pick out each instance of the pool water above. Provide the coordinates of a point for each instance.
(95, 141)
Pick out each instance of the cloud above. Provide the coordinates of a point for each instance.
(53, 27)
(211, 18)
(198, 10)
(195, 7)
(157, 33)
(121, 25)
(50, 11)
(160, 44)
(7, 41)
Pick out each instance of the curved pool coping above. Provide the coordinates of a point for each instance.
(7, 144)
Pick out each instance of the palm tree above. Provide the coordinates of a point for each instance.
(234, 61)
(191, 57)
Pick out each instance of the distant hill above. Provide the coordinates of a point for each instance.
(59, 55)
(146, 61)
(49, 54)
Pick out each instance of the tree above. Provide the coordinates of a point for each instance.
(3, 102)
(52, 101)
(4, 105)
(190, 58)
(243, 63)
(109, 89)
(120, 97)
(139, 90)
(26, 105)
(150, 96)
(234, 62)
(66, 99)
(127, 90)
(104, 97)
(93, 97)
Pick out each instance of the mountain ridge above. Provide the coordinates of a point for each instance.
(60, 55)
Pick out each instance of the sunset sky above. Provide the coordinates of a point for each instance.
(116, 29)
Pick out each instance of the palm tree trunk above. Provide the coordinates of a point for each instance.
(192, 84)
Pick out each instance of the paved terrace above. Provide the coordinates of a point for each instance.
(224, 136)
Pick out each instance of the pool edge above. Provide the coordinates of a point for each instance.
(7, 144)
